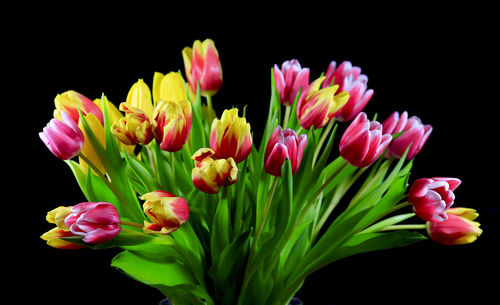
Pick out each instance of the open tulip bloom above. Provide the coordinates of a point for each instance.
(208, 215)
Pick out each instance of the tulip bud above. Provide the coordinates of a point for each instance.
(415, 133)
(63, 138)
(202, 65)
(351, 80)
(283, 144)
(97, 222)
(134, 128)
(166, 211)
(53, 237)
(459, 227)
(139, 97)
(210, 174)
(172, 124)
(317, 107)
(432, 197)
(70, 101)
(170, 87)
(289, 80)
(363, 141)
(230, 136)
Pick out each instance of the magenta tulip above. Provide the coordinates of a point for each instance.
(289, 80)
(432, 197)
(63, 138)
(351, 80)
(283, 144)
(97, 222)
(415, 133)
(363, 141)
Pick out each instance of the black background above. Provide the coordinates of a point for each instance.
(436, 64)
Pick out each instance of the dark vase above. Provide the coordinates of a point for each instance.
(294, 301)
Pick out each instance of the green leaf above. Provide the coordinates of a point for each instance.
(79, 175)
(387, 222)
(220, 235)
(151, 272)
(228, 269)
(97, 190)
(142, 174)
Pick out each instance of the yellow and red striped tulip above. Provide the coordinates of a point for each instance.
(202, 65)
(210, 174)
(166, 211)
(70, 101)
(172, 124)
(316, 106)
(458, 229)
(134, 128)
(230, 136)
(53, 237)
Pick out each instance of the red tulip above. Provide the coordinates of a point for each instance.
(283, 144)
(363, 141)
(289, 80)
(415, 133)
(98, 222)
(432, 197)
(351, 80)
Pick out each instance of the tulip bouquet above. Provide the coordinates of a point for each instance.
(207, 216)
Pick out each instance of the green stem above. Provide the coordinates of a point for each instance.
(325, 133)
(287, 116)
(132, 224)
(258, 232)
(404, 227)
(172, 165)
(151, 159)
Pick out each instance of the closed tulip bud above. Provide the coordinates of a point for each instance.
(210, 174)
(283, 144)
(166, 211)
(202, 65)
(54, 239)
(70, 101)
(172, 124)
(431, 197)
(97, 222)
(230, 136)
(63, 138)
(415, 133)
(139, 97)
(134, 128)
(289, 80)
(363, 141)
(351, 80)
(316, 107)
(54, 236)
(170, 87)
(458, 229)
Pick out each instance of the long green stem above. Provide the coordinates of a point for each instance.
(172, 165)
(287, 116)
(404, 227)
(325, 133)
(258, 232)
(132, 224)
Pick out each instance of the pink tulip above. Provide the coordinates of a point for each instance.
(98, 222)
(63, 138)
(432, 197)
(458, 229)
(283, 144)
(289, 80)
(415, 133)
(351, 80)
(363, 141)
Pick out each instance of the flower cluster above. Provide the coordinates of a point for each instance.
(218, 206)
